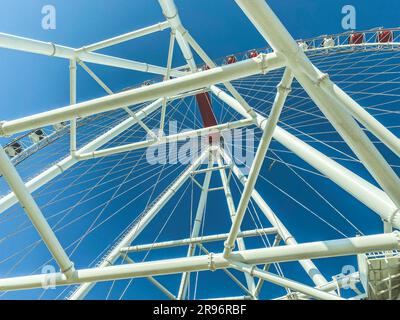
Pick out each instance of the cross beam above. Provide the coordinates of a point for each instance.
(54, 50)
(262, 64)
(320, 249)
(324, 93)
(373, 197)
(197, 240)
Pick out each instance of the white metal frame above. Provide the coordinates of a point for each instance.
(339, 108)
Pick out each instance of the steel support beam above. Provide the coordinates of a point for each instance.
(153, 281)
(284, 282)
(126, 37)
(232, 212)
(275, 33)
(260, 282)
(263, 63)
(367, 193)
(321, 90)
(171, 14)
(321, 249)
(138, 227)
(201, 208)
(53, 50)
(35, 214)
(72, 100)
(167, 77)
(280, 99)
(308, 266)
(166, 139)
(197, 240)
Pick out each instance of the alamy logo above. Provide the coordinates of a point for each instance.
(49, 20)
(239, 143)
(347, 278)
(49, 280)
(349, 19)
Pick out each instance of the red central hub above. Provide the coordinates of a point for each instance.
(207, 115)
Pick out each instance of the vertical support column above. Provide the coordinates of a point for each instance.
(171, 14)
(309, 266)
(232, 212)
(283, 91)
(34, 213)
(372, 196)
(333, 103)
(286, 283)
(260, 282)
(72, 100)
(207, 60)
(167, 77)
(138, 227)
(152, 280)
(196, 227)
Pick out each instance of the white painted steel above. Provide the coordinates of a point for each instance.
(261, 64)
(138, 227)
(286, 283)
(308, 266)
(197, 240)
(201, 208)
(54, 50)
(321, 249)
(126, 37)
(34, 213)
(166, 139)
(280, 99)
(321, 90)
(371, 196)
(338, 107)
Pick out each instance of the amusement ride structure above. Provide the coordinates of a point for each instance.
(324, 111)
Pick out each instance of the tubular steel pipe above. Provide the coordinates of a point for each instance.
(335, 104)
(283, 91)
(126, 37)
(197, 240)
(321, 249)
(138, 227)
(54, 50)
(307, 264)
(34, 213)
(262, 63)
(367, 193)
(286, 283)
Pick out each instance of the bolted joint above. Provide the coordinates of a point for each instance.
(394, 219)
(251, 271)
(72, 64)
(171, 17)
(397, 235)
(322, 79)
(263, 62)
(2, 133)
(70, 271)
(228, 249)
(211, 262)
(287, 238)
(54, 49)
(283, 90)
(293, 296)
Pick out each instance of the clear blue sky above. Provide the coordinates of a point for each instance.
(30, 83)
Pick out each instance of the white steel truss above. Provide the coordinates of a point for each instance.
(339, 108)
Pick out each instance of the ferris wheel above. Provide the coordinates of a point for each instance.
(266, 174)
